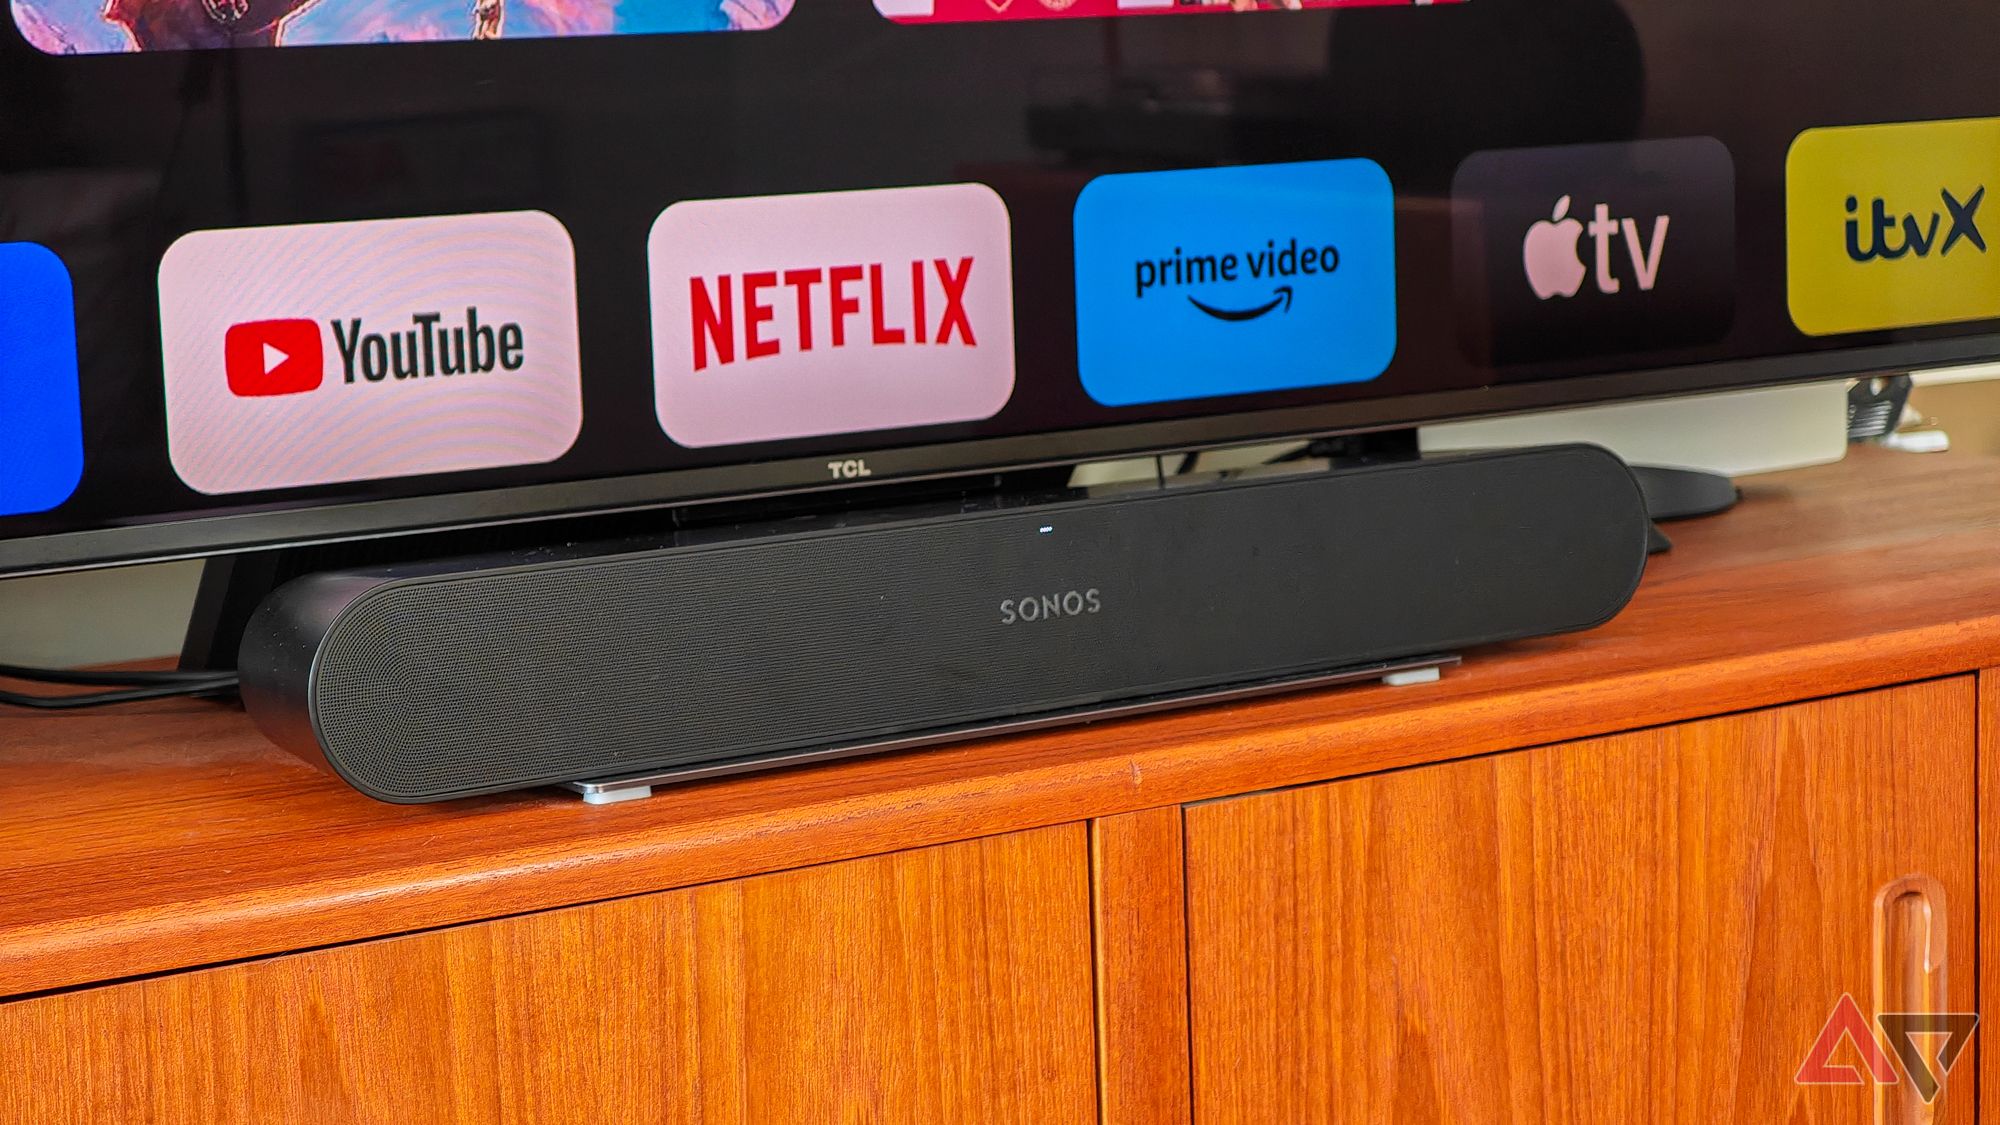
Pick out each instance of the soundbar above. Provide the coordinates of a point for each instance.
(726, 650)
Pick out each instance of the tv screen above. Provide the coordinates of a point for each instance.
(288, 271)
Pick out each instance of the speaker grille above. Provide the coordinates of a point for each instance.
(459, 683)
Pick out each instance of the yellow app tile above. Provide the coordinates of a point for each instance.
(1886, 226)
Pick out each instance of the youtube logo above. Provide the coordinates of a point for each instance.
(326, 353)
(781, 317)
(283, 357)
(272, 357)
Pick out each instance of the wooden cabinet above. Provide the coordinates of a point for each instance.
(1651, 927)
(1616, 878)
(948, 984)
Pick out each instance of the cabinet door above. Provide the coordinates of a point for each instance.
(951, 984)
(1648, 928)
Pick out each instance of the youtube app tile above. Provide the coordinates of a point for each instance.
(337, 352)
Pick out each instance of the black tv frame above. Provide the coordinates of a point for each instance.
(176, 539)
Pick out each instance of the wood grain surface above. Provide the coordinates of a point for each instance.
(160, 837)
(1646, 928)
(1989, 883)
(948, 985)
(1140, 898)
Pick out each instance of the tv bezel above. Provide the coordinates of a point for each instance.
(203, 537)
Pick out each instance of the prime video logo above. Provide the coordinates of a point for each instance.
(1207, 282)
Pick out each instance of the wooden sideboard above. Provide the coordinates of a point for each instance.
(1623, 876)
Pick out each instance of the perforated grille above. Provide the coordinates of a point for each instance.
(449, 685)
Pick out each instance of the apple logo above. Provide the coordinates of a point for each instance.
(1549, 253)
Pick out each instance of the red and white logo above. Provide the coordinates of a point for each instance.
(843, 312)
(336, 352)
(855, 310)
(273, 357)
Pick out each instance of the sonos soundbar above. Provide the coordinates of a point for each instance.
(733, 650)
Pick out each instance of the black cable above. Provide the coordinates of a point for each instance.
(214, 686)
(91, 678)
(130, 687)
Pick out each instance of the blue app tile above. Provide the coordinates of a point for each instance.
(41, 417)
(1224, 281)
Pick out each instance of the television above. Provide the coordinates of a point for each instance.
(287, 272)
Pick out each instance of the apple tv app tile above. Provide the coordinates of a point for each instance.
(1586, 250)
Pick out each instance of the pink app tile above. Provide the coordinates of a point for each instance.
(334, 352)
(836, 313)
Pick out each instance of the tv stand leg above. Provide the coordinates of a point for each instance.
(1680, 494)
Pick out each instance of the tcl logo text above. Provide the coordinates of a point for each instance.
(740, 317)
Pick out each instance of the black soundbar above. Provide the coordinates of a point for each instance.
(768, 642)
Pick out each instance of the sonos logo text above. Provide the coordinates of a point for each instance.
(1047, 607)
